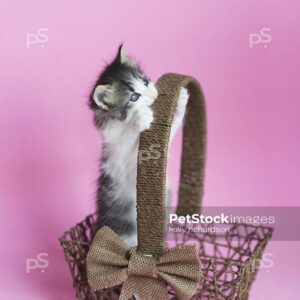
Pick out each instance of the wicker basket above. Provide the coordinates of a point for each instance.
(228, 261)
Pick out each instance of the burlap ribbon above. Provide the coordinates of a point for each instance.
(110, 262)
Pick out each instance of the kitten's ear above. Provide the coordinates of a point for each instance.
(100, 95)
(122, 57)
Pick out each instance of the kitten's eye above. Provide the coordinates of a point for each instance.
(146, 81)
(135, 97)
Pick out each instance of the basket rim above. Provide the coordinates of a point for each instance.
(64, 240)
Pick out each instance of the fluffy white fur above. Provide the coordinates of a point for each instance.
(122, 143)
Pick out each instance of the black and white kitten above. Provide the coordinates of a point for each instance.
(121, 101)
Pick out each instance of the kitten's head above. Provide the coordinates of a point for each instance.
(121, 89)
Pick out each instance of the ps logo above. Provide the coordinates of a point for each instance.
(40, 262)
(265, 262)
(41, 38)
(263, 37)
(152, 153)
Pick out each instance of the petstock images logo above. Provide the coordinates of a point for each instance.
(284, 221)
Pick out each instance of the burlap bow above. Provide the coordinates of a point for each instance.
(110, 262)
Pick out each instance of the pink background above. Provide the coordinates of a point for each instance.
(49, 147)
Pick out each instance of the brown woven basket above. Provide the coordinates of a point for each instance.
(228, 261)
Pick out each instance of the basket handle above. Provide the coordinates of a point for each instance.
(151, 173)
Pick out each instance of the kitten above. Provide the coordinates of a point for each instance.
(121, 102)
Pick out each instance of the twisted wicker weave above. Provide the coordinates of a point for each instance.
(229, 261)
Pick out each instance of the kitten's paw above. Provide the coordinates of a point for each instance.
(130, 240)
(179, 111)
(143, 118)
(181, 105)
(182, 101)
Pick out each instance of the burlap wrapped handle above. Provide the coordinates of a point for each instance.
(151, 173)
